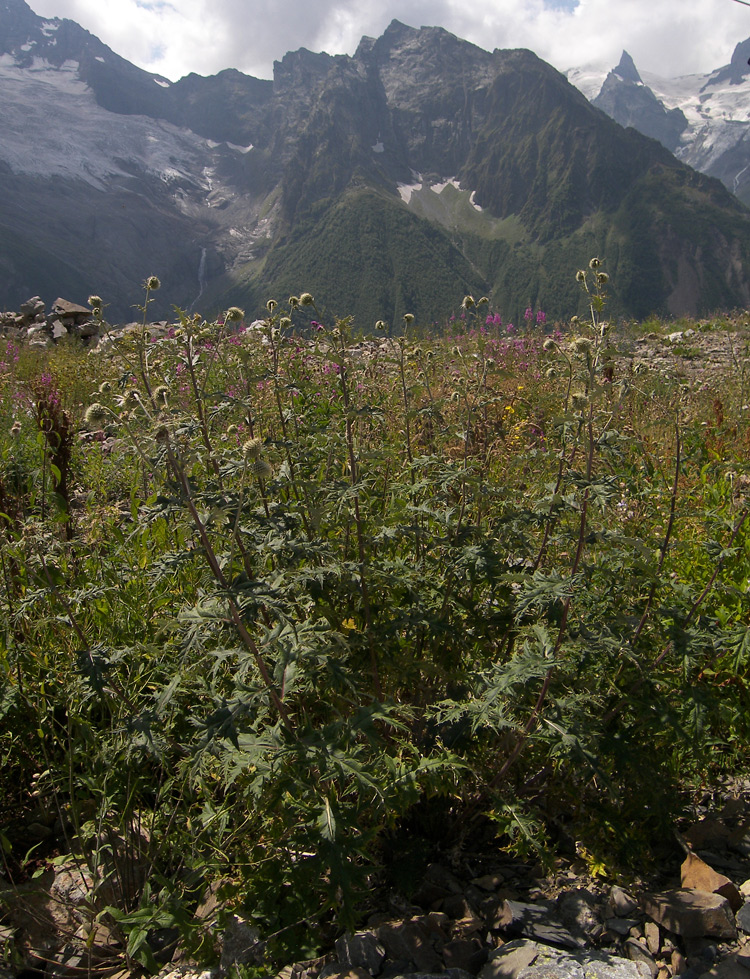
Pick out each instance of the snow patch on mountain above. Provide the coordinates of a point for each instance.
(53, 126)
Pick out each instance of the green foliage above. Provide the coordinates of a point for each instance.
(313, 589)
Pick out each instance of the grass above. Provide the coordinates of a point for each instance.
(266, 594)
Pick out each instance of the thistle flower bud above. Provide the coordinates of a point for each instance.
(306, 299)
(284, 323)
(595, 263)
(549, 345)
(468, 302)
(234, 314)
(152, 283)
(271, 305)
(602, 278)
(96, 415)
(95, 302)
(160, 393)
(380, 325)
(252, 448)
(105, 387)
(580, 276)
(294, 301)
(582, 346)
(131, 400)
(408, 318)
(262, 469)
(579, 400)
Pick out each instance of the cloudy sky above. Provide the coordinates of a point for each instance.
(174, 37)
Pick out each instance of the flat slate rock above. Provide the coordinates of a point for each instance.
(529, 960)
(743, 917)
(536, 921)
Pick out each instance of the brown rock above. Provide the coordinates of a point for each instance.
(679, 965)
(691, 913)
(652, 936)
(695, 874)
(707, 832)
(419, 940)
(468, 954)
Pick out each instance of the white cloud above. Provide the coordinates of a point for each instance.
(667, 37)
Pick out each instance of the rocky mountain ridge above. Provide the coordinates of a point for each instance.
(703, 119)
(397, 180)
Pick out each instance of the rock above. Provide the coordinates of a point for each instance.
(456, 906)
(652, 936)
(707, 832)
(491, 882)
(86, 330)
(743, 918)
(530, 960)
(38, 831)
(31, 308)
(577, 911)
(465, 927)
(695, 874)
(691, 913)
(438, 884)
(637, 952)
(621, 902)
(419, 940)
(729, 968)
(468, 954)
(352, 972)
(361, 950)
(678, 963)
(621, 926)
(240, 944)
(536, 921)
(508, 960)
(446, 974)
(702, 953)
(65, 308)
(745, 890)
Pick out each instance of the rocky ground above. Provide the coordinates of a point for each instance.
(483, 914)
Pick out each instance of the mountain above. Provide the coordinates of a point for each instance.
(703, 119)
(397, 180)
(625, 98)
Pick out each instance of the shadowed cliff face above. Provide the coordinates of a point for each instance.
(392, 181)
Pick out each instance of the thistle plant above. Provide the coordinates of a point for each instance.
(316, 583)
